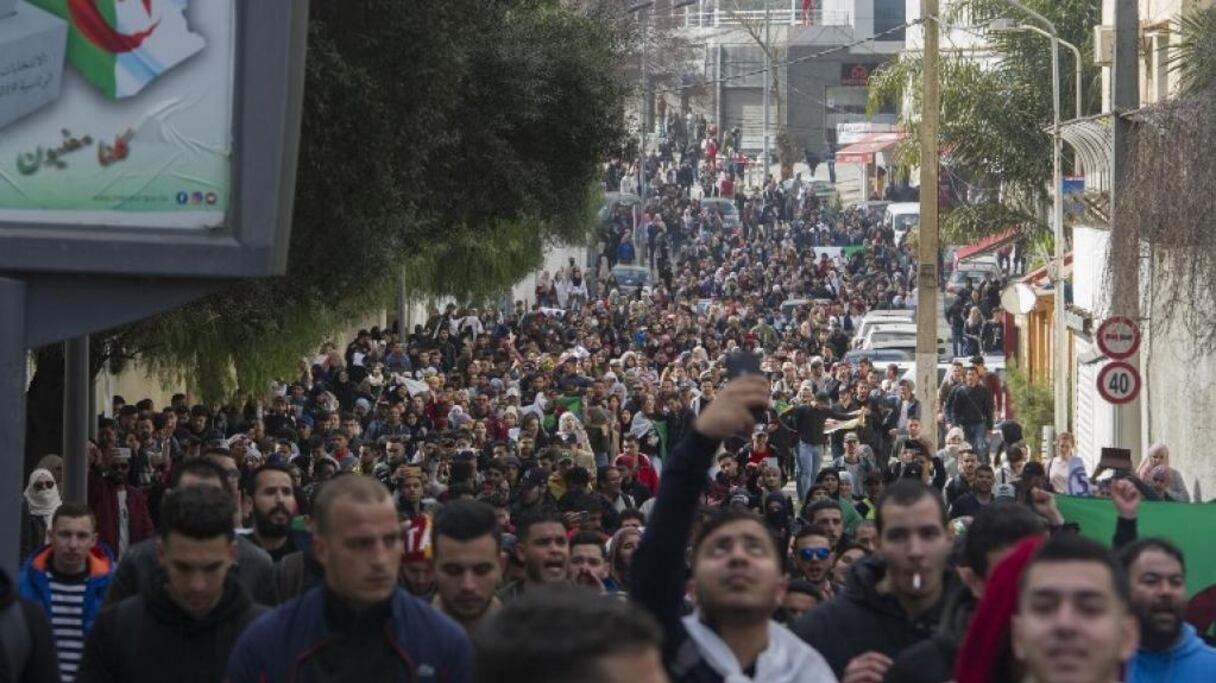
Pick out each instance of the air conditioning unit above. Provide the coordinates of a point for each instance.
(1104, 45)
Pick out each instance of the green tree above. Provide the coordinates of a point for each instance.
(453, 138)
(994, 117)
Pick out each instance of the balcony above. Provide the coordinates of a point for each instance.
(705, 15)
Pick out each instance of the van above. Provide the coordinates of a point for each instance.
(901, 217)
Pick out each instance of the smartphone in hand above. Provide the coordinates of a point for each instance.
(739, 363)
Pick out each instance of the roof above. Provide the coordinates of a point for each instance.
(862, 151)
(989, 243)
(1038, 278)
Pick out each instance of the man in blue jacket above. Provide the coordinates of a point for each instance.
(69, 578)
(1169, 648)
(359, 625)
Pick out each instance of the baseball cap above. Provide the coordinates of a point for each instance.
(851, 436)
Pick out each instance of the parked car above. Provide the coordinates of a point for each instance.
(977, 269)
(630, 279)
(726, 207)
(902, 217)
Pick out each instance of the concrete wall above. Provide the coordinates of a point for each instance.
(135, 382)
(1180, 388)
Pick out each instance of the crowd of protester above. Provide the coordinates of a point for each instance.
(584, 489)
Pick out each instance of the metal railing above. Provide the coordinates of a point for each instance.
(717, 17)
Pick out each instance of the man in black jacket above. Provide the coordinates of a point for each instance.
(808, 420)
(970, 406)
(183, 626)
(894, 598)
(995, 531)
(25, 636)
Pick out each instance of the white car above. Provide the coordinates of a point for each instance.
(902, 217)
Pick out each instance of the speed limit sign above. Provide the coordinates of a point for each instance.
(1119, 383)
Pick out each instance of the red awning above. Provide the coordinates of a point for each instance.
(989, 243)
(1038, 278)
(862, 151)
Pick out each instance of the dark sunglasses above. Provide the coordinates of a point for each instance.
(43, 485)
(808, 554)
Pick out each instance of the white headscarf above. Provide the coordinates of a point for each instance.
(43, 503)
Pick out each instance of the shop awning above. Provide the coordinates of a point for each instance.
(863, 151)
(989, 243)
(1039, 278)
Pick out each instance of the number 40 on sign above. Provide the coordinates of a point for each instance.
(1119, 383)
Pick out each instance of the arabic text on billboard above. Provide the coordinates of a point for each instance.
(133, 125)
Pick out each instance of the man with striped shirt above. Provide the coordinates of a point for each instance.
(69, 578)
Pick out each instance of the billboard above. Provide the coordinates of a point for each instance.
(139, 132)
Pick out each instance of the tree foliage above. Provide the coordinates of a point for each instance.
(1167, 195)
(995, 117)
(450, 138)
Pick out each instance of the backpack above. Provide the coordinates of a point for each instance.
(15, 639)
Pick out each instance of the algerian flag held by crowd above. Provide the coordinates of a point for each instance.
(1191, 526)
(120, 46)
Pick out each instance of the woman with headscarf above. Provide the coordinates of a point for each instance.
(620, 556)
(1158, 455)
(37, 509)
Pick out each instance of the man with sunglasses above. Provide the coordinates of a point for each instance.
(813, 560)
(121, 510)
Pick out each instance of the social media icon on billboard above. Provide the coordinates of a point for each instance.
(183, 197)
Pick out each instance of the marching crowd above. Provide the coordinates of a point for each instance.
(594, 489)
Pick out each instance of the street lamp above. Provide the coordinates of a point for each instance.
(1060, 389)
(1007, 25)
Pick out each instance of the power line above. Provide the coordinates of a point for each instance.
(799, 60)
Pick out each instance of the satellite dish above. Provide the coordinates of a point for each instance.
(1018, 298)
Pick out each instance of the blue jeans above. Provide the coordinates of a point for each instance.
(977, 436)
(808, 467)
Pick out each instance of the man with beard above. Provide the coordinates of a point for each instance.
(813, 556)
(121, 510)
(272, 499)
(253, 568)
(467, 551)
(1170, 650)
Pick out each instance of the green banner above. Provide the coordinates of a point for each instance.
(1192, 527)
(849, 251)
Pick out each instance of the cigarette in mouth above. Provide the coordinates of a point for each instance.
(916, 581)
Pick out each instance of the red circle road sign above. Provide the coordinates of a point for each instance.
(1118, 337)
(1119, 383)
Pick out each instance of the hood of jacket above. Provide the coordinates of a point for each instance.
(99, 563)
(231, 606)
(862, 588)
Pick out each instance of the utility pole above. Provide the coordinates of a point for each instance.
(1125, 286)
(927, 247)
(76, 418)
(644, 113)
(768, 81)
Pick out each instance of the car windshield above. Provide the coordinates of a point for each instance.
(723, 207)
(976, 275)
(905, 221)
(630, 276)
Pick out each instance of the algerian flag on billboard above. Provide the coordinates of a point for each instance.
(1191, 526)
(120, 46)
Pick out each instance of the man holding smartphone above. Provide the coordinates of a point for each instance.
(808, 420)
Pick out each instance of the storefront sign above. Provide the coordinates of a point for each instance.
(854, 74)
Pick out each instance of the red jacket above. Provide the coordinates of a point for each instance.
(103, 500)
